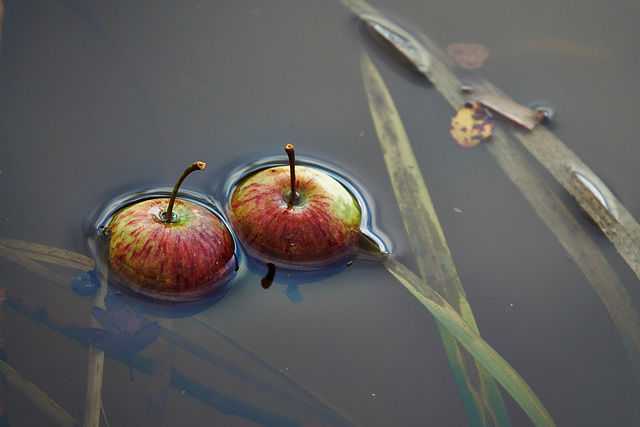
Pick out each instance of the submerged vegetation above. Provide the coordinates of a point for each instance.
(119, 332)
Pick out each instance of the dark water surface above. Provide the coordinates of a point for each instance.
(100, 98)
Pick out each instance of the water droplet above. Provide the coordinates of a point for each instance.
(593, 184)
(466, 88)
(548, 112)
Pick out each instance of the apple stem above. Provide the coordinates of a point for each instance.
(168, 214)
(291, 152)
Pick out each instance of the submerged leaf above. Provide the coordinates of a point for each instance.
(468, 55)
(471, 125)
(124, 332)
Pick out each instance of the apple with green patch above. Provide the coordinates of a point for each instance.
(171, 249)
(295, 217)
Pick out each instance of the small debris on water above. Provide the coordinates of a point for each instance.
(524, 116)
(469, 56)
(267, 280)
(471, 125)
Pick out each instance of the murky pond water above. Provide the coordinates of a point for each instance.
(102, 98)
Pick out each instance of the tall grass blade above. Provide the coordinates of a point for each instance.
(475, 345)
(481, 398)
(614, 219)
(553, 211)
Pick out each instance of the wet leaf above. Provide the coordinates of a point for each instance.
(524, 116)
(471, 125)
(124, 329)
(468, 55)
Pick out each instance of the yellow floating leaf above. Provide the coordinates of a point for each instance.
(471, 125)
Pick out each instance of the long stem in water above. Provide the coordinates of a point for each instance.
(291, 152)
(197, 166)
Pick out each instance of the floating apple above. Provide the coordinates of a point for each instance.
(171, 249)
(295, 217)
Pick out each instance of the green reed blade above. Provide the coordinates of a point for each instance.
(482, 398)
(448, 318)
(616, 222)
(553, 211)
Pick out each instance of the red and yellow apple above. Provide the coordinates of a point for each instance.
(315, 228)
(171, 249)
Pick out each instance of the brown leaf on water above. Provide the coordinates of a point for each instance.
(471, 125)
(468, 55)
(524, 116)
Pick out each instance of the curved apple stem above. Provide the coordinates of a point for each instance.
(291, 152)
(168, 214)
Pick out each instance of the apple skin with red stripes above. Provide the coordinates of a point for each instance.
(185, 259)
(319, 230)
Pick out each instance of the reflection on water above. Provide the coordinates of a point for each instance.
(229, 81)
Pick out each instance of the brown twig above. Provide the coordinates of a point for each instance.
(95, 369)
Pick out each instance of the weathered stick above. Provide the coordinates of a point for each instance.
(95, 368)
